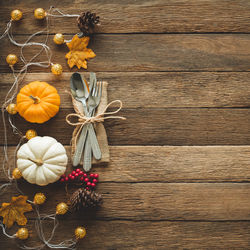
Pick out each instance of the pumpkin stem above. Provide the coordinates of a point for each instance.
(38, 162)
(36, 99)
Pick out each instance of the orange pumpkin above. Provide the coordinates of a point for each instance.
(37, 102)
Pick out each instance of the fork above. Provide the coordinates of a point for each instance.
(93, 102)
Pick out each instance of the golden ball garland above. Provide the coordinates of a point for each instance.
(22, 233)
(39, 13)
(39, 198)
(58, 38)
(31, 133)
(56, 69)
(62, 208)
(80, 232)
(11, 109)
(16, 174)
(16, 15)
(11, 59)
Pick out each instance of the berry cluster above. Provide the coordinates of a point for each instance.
(88, 180)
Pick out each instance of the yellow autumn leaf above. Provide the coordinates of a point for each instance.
(14, 211)
(78, 52)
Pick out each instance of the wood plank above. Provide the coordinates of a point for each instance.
(147, 235)
(151, 52)
(154, 201)
(171, 164)
(156, 127)
(129, 16)
(142, 201)
(158, 90)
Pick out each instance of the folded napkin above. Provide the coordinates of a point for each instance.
(99, 127)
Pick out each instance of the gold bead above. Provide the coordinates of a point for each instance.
(16, 173)
(11, 109)
(56, 69)
(11, 59)
(39, 13)
(62, 208)
(22, 233)
(16, 15)
(58, 38)
(31, 133)
(80, 232)
(39, 198)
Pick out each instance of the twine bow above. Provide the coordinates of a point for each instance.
(84, 120)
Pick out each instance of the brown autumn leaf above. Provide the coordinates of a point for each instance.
(14, 211)
(79, 53)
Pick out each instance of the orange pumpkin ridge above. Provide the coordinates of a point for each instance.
(37, 102)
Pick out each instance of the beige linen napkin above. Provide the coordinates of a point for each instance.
(99, 127)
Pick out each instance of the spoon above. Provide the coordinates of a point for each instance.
(79, 90)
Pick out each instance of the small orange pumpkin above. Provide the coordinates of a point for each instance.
(37, 102)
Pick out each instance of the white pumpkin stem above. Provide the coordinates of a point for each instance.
(36, 99)
(38, 162)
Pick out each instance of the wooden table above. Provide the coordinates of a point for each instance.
(180, 164)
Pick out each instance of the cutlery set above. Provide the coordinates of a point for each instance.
(90, 96)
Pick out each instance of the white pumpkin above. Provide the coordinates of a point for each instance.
(42, 160)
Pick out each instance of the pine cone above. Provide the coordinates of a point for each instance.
(83, 198)
(86, 22)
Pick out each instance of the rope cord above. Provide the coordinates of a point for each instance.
(19, 76)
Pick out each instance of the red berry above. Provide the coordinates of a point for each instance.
(63, 176)
(78, 170)
(62, 180)
(73, 177)
(85, 175)
(76, 175)
(81, 178)
(86, 179)
(81, 173)
(70, 175)
(66, 178)
(73, 172)
(88, 183)
(91, 175)
(94, 180)
(87, 188)
(93, 185)
(96, 175)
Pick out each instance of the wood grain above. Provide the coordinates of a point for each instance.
(151, 52)
(154, 201)
(157, 89)
(127, 16)
(156, 127)
(171, 164)
(155, 197)
(147, 235)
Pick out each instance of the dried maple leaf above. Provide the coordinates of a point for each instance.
(14, 211)
(79, 53)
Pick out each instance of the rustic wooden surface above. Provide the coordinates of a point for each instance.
(179, 175)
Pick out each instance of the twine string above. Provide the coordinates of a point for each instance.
(18, 76)
(60, 13)
(11, 94)
(39, 223)
(7, 29)
(5, 233)
(83, 120)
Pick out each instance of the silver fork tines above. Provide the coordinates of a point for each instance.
(91, 142)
